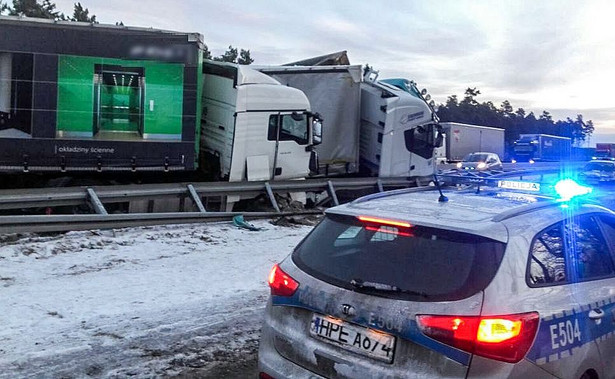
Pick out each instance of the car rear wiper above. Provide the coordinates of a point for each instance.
(385, 288)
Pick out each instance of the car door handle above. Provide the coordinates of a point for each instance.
(596, 314)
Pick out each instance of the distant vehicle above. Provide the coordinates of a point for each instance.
(581, 154)
(542, 147)
(480, 161)
(598, 172)
(604, 150)
(463, 139)
(485, 285)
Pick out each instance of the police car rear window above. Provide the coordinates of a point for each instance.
(412, 263)
(586, 257)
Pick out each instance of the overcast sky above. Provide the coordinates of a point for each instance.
(557, 56)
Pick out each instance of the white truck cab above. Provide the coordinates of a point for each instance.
(398, 129)
(253, 127)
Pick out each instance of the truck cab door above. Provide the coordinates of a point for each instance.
(290, 137)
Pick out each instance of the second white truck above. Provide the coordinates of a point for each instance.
(379, 128)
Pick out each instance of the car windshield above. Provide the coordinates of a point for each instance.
(526, 139)
(416, 263)
(599, 166)
(476, 158)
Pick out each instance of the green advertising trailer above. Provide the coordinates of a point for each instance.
(78, 97)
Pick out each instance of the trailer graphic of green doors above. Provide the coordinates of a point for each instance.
(110, 99)
(118, 100)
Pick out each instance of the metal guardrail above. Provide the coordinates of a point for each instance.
(98, 196)
(482, 176)
(61, 223)
(51, 197)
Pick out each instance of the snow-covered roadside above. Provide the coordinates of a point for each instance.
(147, 301)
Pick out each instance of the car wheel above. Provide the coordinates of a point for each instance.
(589, 374)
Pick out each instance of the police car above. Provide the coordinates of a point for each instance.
(501, 282)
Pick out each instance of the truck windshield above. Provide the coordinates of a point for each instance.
(420, 263)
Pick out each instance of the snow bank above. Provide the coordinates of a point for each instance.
(145, 301)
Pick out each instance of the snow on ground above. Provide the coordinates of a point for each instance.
(150, 301)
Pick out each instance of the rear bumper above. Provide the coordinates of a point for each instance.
(282, 338)
(272, 363)
(489, 368)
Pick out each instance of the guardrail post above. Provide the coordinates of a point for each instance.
(272, 197)
(332, 192)
(379, 184)
(196, 199)
(96, 203)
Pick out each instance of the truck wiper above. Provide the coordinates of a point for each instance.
(382, 287)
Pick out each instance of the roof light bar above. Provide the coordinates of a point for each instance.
(568, 188)
(384, 221)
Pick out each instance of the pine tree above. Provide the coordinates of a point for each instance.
(32, 8)
(4, 8)
(244, 57)
(83, 14)
(233, 56)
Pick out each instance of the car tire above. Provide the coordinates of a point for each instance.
(589, 374)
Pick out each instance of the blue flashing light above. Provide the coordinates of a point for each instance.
(568, 188)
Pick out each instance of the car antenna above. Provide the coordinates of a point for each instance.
(442, 198)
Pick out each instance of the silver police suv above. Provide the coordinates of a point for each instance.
(494, 284)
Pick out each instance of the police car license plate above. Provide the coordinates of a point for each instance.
(355, 338)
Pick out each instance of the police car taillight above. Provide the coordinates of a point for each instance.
(280, 283)
(384, 221)
(505, 338)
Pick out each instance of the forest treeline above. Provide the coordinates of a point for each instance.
(515, 122)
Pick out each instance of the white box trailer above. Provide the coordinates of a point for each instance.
(463, 139)
(369, 126)
(334, 92)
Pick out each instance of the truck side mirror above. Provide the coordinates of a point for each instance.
(316, 132)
